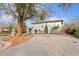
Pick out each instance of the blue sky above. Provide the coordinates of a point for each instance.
(72, 13)
(59, 13)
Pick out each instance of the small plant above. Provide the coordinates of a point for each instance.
(35, 31)
(30, 30)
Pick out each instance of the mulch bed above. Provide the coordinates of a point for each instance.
(15, 40)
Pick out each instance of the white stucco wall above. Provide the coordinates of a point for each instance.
(41, 26)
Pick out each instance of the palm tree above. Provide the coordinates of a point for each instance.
(24, 11)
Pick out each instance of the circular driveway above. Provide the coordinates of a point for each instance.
(45, 45)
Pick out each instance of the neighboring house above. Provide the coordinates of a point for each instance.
(39, 27)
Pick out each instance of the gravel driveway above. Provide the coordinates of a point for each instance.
(45, 45)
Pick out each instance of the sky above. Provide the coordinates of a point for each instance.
(72, 13)
(58, 13)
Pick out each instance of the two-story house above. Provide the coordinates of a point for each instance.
(39, 27)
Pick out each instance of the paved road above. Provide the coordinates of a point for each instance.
(45, 45)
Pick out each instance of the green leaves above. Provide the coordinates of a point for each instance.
(55, 28)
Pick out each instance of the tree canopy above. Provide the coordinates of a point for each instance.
(24, 10)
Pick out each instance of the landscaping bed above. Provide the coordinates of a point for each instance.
(74, 32)
(15, 40)
(8, 41)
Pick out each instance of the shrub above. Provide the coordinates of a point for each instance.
(30, 30)
(55, 27)
(67, 31)
(35, 31)
(76, 34)
(72, 31)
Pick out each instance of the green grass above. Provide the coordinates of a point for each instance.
(76, 34)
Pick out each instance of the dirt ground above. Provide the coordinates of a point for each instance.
(15, 40)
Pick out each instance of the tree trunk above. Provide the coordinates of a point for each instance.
(20, 28)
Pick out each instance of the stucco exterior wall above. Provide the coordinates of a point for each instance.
(41, 26)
